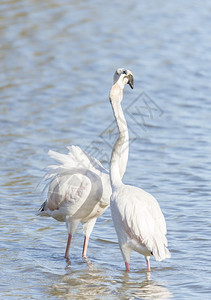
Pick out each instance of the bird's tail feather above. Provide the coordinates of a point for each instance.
(75, 159)
(160, 250)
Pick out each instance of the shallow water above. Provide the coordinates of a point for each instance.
(57, 61)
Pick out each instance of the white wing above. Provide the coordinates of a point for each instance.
(75, 159)
(143, 221)
(71, 182)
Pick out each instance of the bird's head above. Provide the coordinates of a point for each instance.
(124, 76)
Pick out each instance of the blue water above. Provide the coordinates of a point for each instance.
(57, 61)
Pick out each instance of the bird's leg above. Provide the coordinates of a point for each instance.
(148, 264)
(127, 266)
(86, 240)
(68, 245)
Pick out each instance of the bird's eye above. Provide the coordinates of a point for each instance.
(125, 72)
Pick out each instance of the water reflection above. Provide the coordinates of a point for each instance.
(82, 284)
(91, 282)
(140, 286)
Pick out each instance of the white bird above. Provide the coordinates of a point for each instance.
(137, 217)
(79, 189)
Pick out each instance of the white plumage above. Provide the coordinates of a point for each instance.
(137, 217)
(79, 190)
(79, 180)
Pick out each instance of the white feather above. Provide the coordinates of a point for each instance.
(137, 217)
(79, 189)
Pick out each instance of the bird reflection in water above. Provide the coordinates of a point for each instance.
(93, 281)
(140, 286)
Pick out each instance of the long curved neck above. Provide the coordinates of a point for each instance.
(119, 156)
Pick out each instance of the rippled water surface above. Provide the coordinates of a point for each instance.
(57, 60)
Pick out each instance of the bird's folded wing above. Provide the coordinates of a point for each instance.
(144, 220)
(69, 191)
